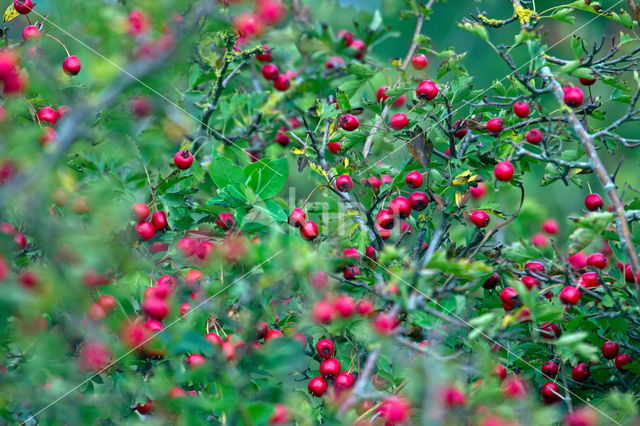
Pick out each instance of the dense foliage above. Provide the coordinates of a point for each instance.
(232, 213)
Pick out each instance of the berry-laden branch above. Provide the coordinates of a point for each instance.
(598, 167)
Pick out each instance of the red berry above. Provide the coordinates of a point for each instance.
(385, 323)
(539, 240)
(581, 372)
(159, 220)
(427, 89)
(598, 260)
(330, 368)
(317, 386)
(365, 308)
(418, 200)
(573, 96)
(370, 252)
(186, 246)
(495, 125)
(346, 37)
(265, 56)
(491, 282)
(398, 121)
(515, 387)
(550, 369)
(94, 356)
(270, 71)
(297, 217)
(71, 65)
(588, 81)
(414, 179)
(272, 334)
(62, 110)
(325, 348)
(48, 115)
(213, 338)
(384, 219)
(248, 24)
(504, 171)
(195, 361)
(349, 122)
(145, 408)
(480, 218)
(500, 371)
(48, 136)
(140, 211)
(478, 191)
(578, 260)
(521, 109)
(359, 47)
(534, 136)
(550, 393)
(394, 410)
(590, 280)
(309, 230)
(400, 206)
(570, 295)
(550, 331)
(30, 32)
(107, 302)
(225, 221)
(460, 129)
(145, 230)
(282, 83)
(610, 349)
(334, 62)
(183, 160)
(23, 6)
(155, 308)
(344, 183)
(282, 138)
(509, 297)
(344, 380)
(534, 267)
(452, 397)
(322, 312)
(550, 226)
(280, 415)
(334, 147)
(419, 62)
(529, 281)
(344, 306)
(593, 202)
(621, 361)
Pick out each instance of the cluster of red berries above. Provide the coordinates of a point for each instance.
(330, 371)
(253, 24)
(271, 72)
(341, 306)
(19, 238)
(146, 229)
(308, 228)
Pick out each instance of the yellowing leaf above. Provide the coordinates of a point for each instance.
(318, 169)
(297, 151)
(396, 62)
(459, 198)
(346, 162)
(464, 177)
(352, 213)
(10, 13)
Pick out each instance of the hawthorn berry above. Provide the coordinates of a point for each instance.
(419, 61)
(398, 121)
(418, 200)
(550, 226)
(350, 272)
(622, 360)
(30, 32)
(225, 221)
(270, 71)
(325, 348)
(93, 356)
(370, 252)
(322, 312)
(521, 109)
(495, 125)
(183, 160)
(297, 217)
(140, 106)
(491, 282)
(534, 267)
(550, 393)
(282, 138)
(334, 62)
(146, 407)
(504, 171)
(384, 219)
(107, 302)
(550, 330)
(550, 369)
(349, 122)
(49, 135)
(145, 230)
(509, 297)
(195, 361)
(593, 202)
(23, 7)
(71, 65)
(155, 308)
(581, 372)
(610, 349)
(272, 334)
(414, 179)
(317, 386)
(590, 280)
(514, 387)
(451, 396)
(159, 220)
(394, 410)
(500, 371)
(529, 281)
(346, 37)
(460, 129)
(365, 307)
(344, 305)
(280, 415)
(248, 24)
(478, 191)
(598, 260)
(570, 295)
(359, 47)
(334, 147)
(385, 323)
(427, 90)
(344, 380)
(534, 136)
(400, 206)
(265, 56)
(344, 183)
(186, 246)
(330, 368)
(588, 81)
(573, 96)
(480, 218)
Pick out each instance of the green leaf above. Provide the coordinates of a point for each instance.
(267, 178)
(273, 210)
(476, 29)
(361, 70)
(224, 172)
